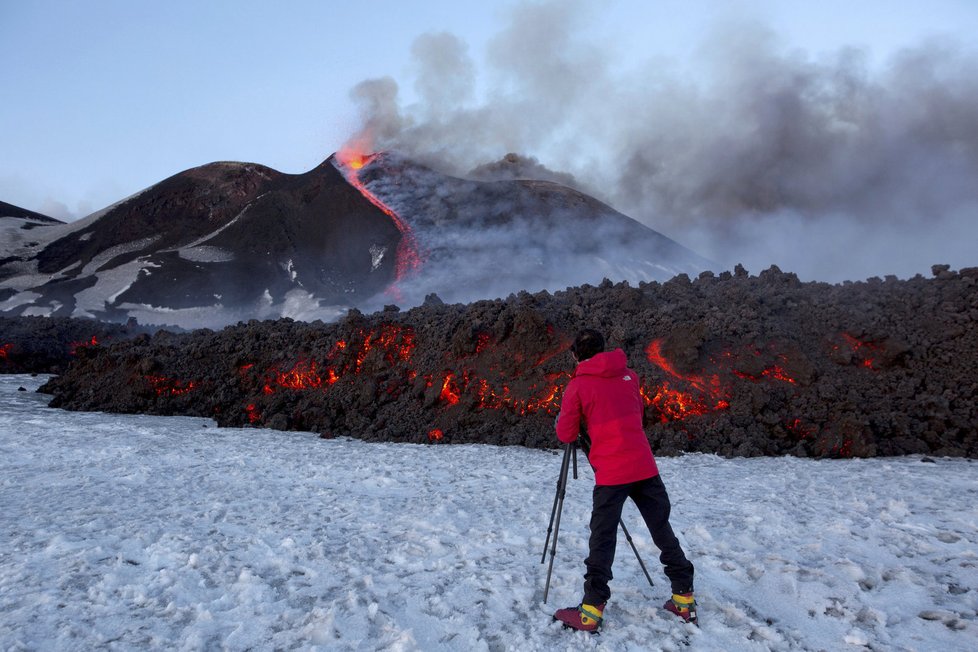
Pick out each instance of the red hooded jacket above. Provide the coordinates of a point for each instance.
(604, 394)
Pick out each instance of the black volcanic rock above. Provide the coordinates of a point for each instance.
(231, 241)
(49, 344)
(9, 210)
(729, 364)
(179, 210)
(222, 241)
(311, 231)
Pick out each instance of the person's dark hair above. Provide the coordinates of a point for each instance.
(588, 343)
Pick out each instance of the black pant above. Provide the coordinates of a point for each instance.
(653, 503)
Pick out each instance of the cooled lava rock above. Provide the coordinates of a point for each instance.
(49, 344)
(730, 364)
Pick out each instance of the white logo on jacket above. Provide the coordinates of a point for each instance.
(626, 378)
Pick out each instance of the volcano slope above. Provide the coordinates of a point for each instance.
(229, 241)
(734, 364)
(487, 238)
(207, 246)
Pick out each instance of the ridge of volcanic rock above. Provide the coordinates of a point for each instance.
(9, 210)
(733, 364)
(169, 211)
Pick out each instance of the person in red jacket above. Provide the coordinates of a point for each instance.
(603, 401)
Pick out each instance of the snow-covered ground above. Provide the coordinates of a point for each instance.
(134, 532)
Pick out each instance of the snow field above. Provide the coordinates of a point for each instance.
(134, 532)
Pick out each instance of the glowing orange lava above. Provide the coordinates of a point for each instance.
(74, 346)
(862, 349)
(389, 349)
(301, 376)
(394, 343)
(674, 404)
(357, 162)
(164, 386)
(254, 415)
(351, 160)
(542, 398)
(482, 341)
(449, 390)
(653, 352)
(710, 393)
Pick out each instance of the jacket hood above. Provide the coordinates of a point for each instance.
(607, 364)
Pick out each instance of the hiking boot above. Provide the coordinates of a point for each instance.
(683, 605)
(583, 617)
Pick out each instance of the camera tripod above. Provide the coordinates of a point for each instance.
(570, 459)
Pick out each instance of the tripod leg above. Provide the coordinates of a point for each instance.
(562, 489)
(560, 479)
(628, 537)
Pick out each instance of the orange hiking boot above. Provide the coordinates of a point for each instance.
(583, 617)
(683, 605)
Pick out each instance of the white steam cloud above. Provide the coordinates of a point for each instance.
(826, 166)
(484, 240)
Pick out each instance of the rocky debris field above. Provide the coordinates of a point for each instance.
(47, 345)
(734, 364)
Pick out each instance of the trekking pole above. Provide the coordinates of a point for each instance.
(558, 507)
(628, 537)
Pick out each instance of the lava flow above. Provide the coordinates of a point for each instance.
(711, 393)
(390, 342)
(478, 385)
(408, 259)
(673, 404)
(392, 346)
(74, 346)
(485, 396)
(862, 350)
(164, 386)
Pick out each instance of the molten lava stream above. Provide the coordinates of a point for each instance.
(408, 258)
(674, 404)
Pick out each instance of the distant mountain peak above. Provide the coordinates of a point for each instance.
(9, 210)
(228, 241)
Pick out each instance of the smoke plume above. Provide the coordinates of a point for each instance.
(826, 165)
